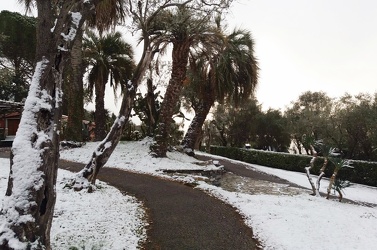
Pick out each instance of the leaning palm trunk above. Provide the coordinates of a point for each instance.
(332, 181)
(180, 58)
(194, 131)
(106, 147)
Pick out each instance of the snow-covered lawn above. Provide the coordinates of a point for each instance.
(279, 221)
(104, 219)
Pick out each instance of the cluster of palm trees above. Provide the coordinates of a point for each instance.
(206, 61)
(214, 65)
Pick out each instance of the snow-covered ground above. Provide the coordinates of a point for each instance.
(90, 220)
(279, 221)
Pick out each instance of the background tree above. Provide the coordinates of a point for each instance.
(356, 124)
(220, 122)
(29, 202)
(307, 117)
(17, 50)
(272, 132)
(147, 108)
(109, 59)
(235, 126)
(9, 89)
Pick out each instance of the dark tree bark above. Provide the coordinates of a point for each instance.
(180, 58)
(100, 114)
(30, 198)
(151, 108)
(192, 136)
(75, 93)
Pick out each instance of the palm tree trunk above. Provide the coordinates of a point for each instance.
(76, 93)
(180, 58)
(332, 180)
(194, 131)
(100, 114)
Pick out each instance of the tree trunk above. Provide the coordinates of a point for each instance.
(321, 173)
(151, 108)
(307, 169)
(100, 114)
(30, 197)
(180, 58)
(75, 93)
(332, 180)
(194, 131)
(223, 139)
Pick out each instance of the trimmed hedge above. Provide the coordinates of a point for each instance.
(362, 172)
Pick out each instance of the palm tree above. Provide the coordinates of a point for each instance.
(185, 29)
(339, 164)
(230, 72)
(108, 13)
(145, 17)
(109, 59)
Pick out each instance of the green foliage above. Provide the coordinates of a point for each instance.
(306, 118)
(131, 132)
(147, 108)
(108, 58)
(340, 185)
(348, 123)
(271, 131)
(17, 52)
(18, 41)
(249, 124)
(11, 89)
(361, 172)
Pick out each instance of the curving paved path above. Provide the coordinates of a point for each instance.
(180, 217)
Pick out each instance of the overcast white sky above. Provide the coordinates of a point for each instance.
(321, 45)
(301, 45)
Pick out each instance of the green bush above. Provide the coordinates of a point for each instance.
(362, 172)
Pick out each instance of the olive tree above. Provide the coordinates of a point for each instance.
(30, 197)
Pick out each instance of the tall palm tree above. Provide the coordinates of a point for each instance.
(110, 59)
(185, 29)
(229, 72)
(108, 13)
